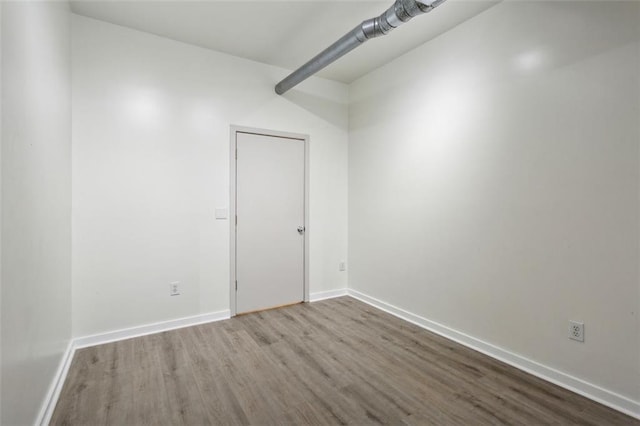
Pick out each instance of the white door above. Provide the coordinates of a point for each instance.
(270, 221)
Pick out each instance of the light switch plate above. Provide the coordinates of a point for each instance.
(221, 213)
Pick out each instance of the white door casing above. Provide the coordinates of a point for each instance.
(269, 232)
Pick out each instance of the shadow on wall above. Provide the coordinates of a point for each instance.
(333, 112)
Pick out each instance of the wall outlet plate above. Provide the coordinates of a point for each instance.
(342, 266)
(174, 288)
(576, 331)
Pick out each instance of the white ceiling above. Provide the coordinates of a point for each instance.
(282, 33)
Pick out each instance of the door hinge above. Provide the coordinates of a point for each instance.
(236, 285)
(236, 220)
(236, 153)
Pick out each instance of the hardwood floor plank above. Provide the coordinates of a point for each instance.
(332, 362)
(208, 367)
(184, 401)
(149, 393)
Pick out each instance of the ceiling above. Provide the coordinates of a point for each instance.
(282, 33)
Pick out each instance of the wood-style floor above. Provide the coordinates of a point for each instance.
(337, 361)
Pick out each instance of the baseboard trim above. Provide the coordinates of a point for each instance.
(574, 384)
(50, 401)
(143, 330)
(49, 404)
(329, 294)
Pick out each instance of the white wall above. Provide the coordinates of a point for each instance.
(1, 97)
(151, 123)
(36, 203)
(494, 184)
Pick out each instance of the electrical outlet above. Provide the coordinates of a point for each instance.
(174, 288)
(576, 331)
(342, 266)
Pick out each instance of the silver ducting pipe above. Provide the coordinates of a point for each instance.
(400, 12)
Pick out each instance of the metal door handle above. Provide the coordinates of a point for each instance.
(301, 230)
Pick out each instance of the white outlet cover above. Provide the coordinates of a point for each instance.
(221, 213)
(576, 331)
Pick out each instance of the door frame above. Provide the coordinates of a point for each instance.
(232, 205)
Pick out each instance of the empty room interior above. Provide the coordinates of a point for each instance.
(409, 212)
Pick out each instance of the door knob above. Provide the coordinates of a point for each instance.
(300, 230)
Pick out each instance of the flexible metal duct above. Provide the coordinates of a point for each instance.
(400, 12)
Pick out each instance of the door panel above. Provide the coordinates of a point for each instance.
(270, 208)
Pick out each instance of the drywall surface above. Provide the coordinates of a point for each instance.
(494, 184)
(36, 203)
(151, 128)
(0, 213)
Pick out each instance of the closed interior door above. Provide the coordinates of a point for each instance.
(270, 221)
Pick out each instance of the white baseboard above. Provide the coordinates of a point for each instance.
(329, 294)
(143, 330)
(574, 384)
(49, 404)
(46, 411)
(51, 399)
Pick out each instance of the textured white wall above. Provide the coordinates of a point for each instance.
(151, 123)
(494, 184)
(36, 203)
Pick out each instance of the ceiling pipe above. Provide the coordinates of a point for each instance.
(400, 12)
